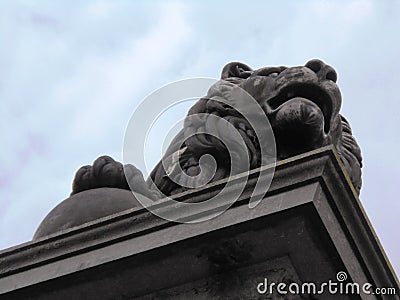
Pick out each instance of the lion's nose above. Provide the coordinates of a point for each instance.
(324, 71)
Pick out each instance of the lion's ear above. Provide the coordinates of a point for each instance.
(236, 69)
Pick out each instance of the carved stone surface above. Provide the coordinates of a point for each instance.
(235, 285)
(85, 207)
(301, 103)
(308, 227)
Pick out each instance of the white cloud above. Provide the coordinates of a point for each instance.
(75, 101)
(106, 84)
(345, 13)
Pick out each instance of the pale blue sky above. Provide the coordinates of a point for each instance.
(72, 72)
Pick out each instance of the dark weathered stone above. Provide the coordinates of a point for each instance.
(106, 172)
(309, 226)
(302, 104)
(85, 207)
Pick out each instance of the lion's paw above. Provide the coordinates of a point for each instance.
(106, 172)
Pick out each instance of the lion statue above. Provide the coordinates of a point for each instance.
(301, 103)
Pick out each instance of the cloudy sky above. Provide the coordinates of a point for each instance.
(72, 73)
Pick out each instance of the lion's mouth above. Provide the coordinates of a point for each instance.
(310, 92)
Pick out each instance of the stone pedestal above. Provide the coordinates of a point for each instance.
(309, 227)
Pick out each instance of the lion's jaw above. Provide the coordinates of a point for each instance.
(301, 104)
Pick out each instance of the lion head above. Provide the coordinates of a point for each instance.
(301, 103)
